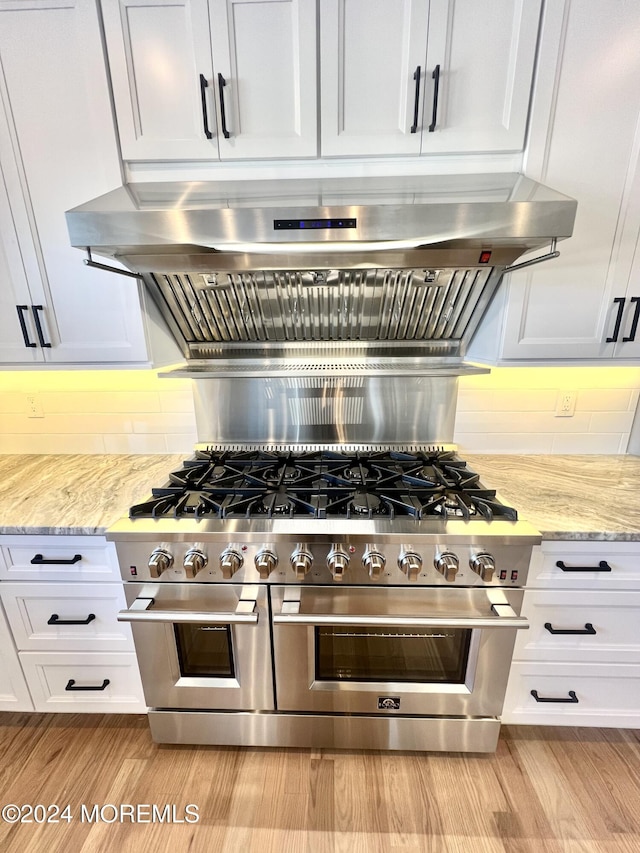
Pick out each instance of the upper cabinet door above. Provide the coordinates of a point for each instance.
(58, 148)
(372, 60)
(265, 77)
(481, 55)
(162, 75)
(17, 330)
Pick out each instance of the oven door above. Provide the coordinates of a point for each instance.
(417, 651)
(202, 645)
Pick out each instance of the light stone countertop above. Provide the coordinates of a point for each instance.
(565, 497)
(568, 497)
(75, 494)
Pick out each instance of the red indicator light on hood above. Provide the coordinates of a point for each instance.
(485, 257)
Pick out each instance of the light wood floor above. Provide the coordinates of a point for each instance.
(545, 789)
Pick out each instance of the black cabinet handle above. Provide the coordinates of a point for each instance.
(588, 629)
(39, 560)
(36, 317)
(54, 619)
(25, 333)
(223, 115)
(436, 88)
(602, 566)
(416, 103)
(203, 97)
(634, 323)
(71, 685)
(573, 699)
(616, 329)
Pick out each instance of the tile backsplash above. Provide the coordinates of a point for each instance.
(510, 410)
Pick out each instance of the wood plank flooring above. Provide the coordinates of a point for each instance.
(546, 790)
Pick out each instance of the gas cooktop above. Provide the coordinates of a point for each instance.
(326, 484)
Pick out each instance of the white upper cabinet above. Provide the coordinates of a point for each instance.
(480, 61)
(230, 79)
(372, 72)
(265, 77)
(162, 76)
(585, 142)
(426, 76)
(17, 334)
(57, 148)
(254, 79)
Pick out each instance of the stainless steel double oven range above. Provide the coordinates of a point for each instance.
(325, 570)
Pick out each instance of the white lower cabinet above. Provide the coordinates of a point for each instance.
(67, 616)
(84, 682)
(65, 650)
(579, 663)
(14, 694)
(573, 694)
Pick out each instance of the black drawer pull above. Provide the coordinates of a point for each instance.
(602, 566)
(39, 560)
(436, 88)
(71, 685)
(416, 103)
(634, 322)
(223, 113)
(203, 98)
(36, 317)
(573, 699)
(25, 334)
(588, 629)
(54, 619)
(619, 300)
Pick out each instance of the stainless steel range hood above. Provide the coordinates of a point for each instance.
(292, 270)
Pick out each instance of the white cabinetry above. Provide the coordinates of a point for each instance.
(370, 53)
(425, 76)
(224, 79)
(57, 148)
(264, 55)
(61, 595)
(236, 79)
(14, 694)
(579, 664)
(585, 142)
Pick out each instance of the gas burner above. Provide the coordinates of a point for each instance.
(364, 503)
(450, 506)
(361, 474)
(273, 477)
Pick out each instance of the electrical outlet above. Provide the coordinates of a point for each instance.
(34, 406)
(566, 404)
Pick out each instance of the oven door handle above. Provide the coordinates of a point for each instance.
(318, 619)
(245, 614)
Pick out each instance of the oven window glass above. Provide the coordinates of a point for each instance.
(419, 655)
(205, 650)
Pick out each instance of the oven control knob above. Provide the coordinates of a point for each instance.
(374, 562)
(265, 561)
(230, 562)
(159, 561)
(301, 560)
(411, 564)
(337, 560)
(447, 564)
(194, 561)
(483, 565)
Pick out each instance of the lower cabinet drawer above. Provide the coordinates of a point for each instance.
(59, 617)
(586, 627)
(575, 694)
(58, 558)
(75, 682)
(585, 565)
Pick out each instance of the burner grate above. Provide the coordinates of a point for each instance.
(323, 483)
